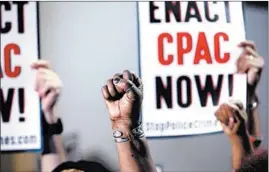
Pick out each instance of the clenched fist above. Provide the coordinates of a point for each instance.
(48, 86)
(233, 118)
(123, 98)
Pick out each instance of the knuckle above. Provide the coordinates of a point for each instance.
(109, 81)
(126, 71)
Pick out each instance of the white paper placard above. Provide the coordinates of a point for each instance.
(20, 106)
(186, 47)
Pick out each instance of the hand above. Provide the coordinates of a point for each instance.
(251, 63)
(48, 86)
(123, 98)
(233, 118)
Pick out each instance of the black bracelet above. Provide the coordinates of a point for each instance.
(57, 128)
(48, 131)
(51, 129)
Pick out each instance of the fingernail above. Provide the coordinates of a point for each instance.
(116, 80)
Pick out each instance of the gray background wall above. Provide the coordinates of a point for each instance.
(87, 42)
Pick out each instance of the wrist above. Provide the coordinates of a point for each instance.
(50, 117)
(243, 136)
(122, 124)
(123, 133)
(252, 103)
(251, 95)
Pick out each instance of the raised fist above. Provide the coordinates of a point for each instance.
(48, 86)
(123, 98)
(233, 118)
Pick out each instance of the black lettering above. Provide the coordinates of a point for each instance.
(20, 138)
(227, 11)
(7, 25)
(180, 92)
(192, 6)
(12, 140)
(209, 88)
(174, 8)
(5, 107)
(33, 139)
(21, 103)
(207, 14)
(20, 13)
(231, 84)
(152, 8)
(164, 92)
(7, 140)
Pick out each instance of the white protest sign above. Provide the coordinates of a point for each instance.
(20, 106)
(188, 52)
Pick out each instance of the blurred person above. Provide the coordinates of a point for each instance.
(53, 157)
(123, 98)
(123, 94)
(48, 86)
(233, 118)
(251, 63)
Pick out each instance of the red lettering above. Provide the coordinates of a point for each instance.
(183, 50)
(226, 56)
(9, 71)
(170, 57)
(185, 44)
(202, 50)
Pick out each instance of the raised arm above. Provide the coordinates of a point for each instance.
(123, 98)
(233, 119)
(48, 86)
(251, 63)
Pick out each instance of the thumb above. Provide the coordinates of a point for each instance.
(133, 93)
(231, 122)
(224, 127)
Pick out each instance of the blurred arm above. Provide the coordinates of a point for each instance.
(254, 122)
(53, 152)
(241, 147)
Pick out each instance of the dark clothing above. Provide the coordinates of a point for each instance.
(85, 166)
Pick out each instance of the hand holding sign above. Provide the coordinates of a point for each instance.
(250, 62)
(123, 97)
(48, 85)
(233, 118)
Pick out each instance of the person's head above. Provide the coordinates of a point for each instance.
(80, 166)
(258, 161)
(72, 170)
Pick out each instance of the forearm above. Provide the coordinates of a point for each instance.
(254, 121)
(253, 114)
(254, 124)
(241, 147)
(134, 155)
(53, 153)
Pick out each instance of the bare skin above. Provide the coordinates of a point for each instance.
(251, 63)
(233, 119)
(123, 97)
(48, 86)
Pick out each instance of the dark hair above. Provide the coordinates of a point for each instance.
(86, 166)
(257, 162)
